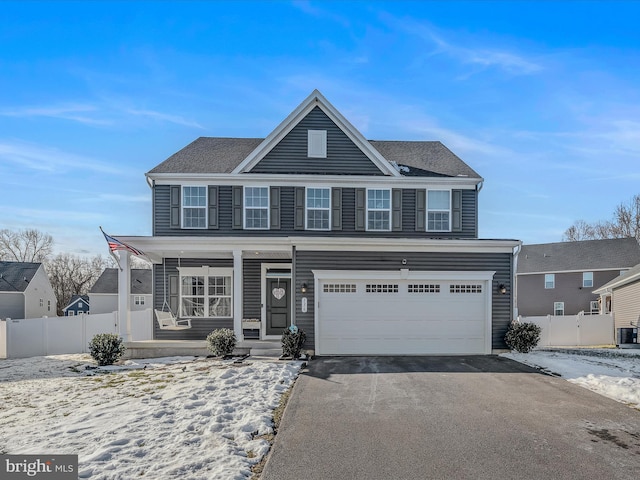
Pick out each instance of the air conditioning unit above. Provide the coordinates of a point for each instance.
(628, 338)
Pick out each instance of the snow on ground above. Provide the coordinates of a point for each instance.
(180, 417)
(612, 373)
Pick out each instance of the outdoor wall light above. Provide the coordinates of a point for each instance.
(502, 288)
(303, 288)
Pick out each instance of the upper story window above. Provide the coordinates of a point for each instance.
(378, 210)
(138, 300)
(439, 211)
(256, 207)
(549, 280)
(318, 208)
(317, 143)
(587, 279)
(194, 207)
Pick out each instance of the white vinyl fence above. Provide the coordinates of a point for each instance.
(574, 330)
(33, 337)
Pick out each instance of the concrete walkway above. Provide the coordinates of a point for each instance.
(481, 417)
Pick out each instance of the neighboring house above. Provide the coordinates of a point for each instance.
(623, 294)
(370, 247)
(103, 296)
(78, 304)
(559, 278)
(25, 291)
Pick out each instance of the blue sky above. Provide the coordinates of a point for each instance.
(541, 98)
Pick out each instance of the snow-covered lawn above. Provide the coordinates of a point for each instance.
(612, 373)
(180, 417)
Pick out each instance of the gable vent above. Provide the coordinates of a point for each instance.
(317, 143)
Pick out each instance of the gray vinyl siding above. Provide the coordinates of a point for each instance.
(12, 305)
(200, 327)
(626, 305)
(289, 156)
(252, 285)
(162, 227)
(535, 300)
(501, 263)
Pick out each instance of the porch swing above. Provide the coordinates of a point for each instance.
(166, 319)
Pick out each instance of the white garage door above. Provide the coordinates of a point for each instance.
(414, 316)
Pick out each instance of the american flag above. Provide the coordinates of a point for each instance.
(115, 244)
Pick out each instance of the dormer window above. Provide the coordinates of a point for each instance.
(317, 143)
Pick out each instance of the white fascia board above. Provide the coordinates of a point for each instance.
(403, 245)
(308, 104)
(403, 274)
(297, 180)
(583, 270)
(621, 282)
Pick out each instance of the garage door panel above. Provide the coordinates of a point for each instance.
(403, 317)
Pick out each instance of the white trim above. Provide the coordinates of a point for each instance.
(306, 208)
(263, 296)
(437, 210)
(620, 281)
(389, 210)
(404, 274)
(315, 99)
(206, 271)
(573, 271)
(555, 311)
(205, 207)
(301, 180)
(583, 280)
(244, 207)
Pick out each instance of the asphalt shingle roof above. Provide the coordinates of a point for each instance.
(15, 276)
(574, 256)
(141, 281)
(222, 155)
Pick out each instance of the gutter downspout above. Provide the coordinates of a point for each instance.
(516, 252)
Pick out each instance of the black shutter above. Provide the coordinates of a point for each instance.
(336, 209)
(174, 206)
(421, 210)
(361, 209)
(396, 210)
(174, 293)
(213, 207)
(237, 202)
(299, 206)
(456, 210)
(274, 205)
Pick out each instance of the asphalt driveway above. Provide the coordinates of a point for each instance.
(477, 417)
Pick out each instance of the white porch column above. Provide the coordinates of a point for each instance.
(124, 296)
(237, 293)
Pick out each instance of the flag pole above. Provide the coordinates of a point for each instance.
(117, 260)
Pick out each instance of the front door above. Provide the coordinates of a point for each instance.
(278, 305)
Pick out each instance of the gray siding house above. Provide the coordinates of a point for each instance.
(25, 291)
(371, 247)
(559, 278)
(103, 296)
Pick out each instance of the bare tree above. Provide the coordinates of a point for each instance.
(70, 275)
(29, 245)
(625, 223)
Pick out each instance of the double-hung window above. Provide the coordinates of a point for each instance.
(318, 208)
(549, 280)
(256, 208)
(378, 209)
(558, 308)
(206, 292)
(587, 279)
(194, 207)
(439, 211)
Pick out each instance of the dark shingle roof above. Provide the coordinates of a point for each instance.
(574, 256)
(222, 155)
(108, 281)
(15, 276)
(75, 298)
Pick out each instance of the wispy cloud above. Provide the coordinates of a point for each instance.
(478, 56)
(307, 7)
(49, 159)
(74, 112)
(125, 198)
(165, 117)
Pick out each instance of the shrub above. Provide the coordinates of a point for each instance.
(221, 342)
(522, 337)
(292, 341)
(106, 348)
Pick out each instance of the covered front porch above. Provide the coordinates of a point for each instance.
(230, 283)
